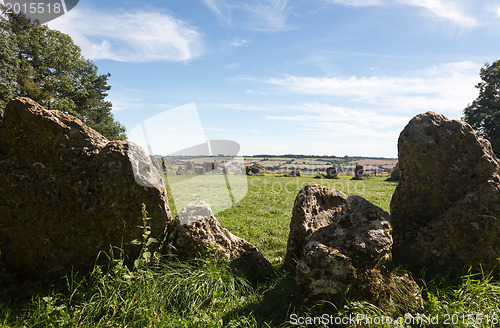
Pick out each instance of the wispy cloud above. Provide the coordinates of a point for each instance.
(238, 43)
(451, 10)
(321, 117)
(232, 65)
(365, 114)
(446, 88)
(123, 102)
(343, 130)
(229, 45)
(239, 106)
(357, 3)
(131, 37)
(256, 15)
(447, 9)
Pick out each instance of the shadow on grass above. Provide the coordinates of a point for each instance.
(17, 290)
(276, 301)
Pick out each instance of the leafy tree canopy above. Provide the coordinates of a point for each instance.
(484, 112)
(46, 66)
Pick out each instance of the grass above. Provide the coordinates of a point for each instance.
(473, 301)
(197, 293)
(262, 217)
(205, 293)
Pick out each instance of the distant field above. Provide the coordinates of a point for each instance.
(263, 216)
(271, 163)
(201, 160)
(390, 163)
(283, 163)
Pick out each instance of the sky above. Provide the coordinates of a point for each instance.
(322, 77)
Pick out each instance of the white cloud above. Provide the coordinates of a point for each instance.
(256, 15)
(238, 43)
(229, 45)
(125, 99)
(343, 130)
(232, 65)
(356, 3)
(446, 88)
(365, 114)
(451, 10)
(447, 9)
(130, 37)
(325, 117)
(238, 106)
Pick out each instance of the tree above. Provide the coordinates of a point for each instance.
(46, 66)
(484, 112)
(9, 64)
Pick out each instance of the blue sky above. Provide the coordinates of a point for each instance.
(326, 77)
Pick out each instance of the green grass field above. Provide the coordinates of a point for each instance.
(205, 293)
(263, 216)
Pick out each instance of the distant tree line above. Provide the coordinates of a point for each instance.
(298, 156)
(46, 66)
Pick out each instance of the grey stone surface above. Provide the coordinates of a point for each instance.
(315, 206)
(446, 209)
(359, 240)
(68, 193)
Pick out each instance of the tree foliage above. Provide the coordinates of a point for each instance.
(484, 112)
(46, 66)
(9, 65)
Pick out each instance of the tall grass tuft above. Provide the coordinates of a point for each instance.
(168, 294)
(472, 302)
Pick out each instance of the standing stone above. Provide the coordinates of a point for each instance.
(359, 172)
(446, 208)
(195, 231)
(67, 193)
(208, 167)
(253, 168)
(315, 206)
(332, 173)
(190, 168)
(394, 174)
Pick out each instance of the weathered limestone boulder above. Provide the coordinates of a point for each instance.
(359, 239)
(352, 253)
(195, 231)
(315, 206)
(67, 193)
(446, 209)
